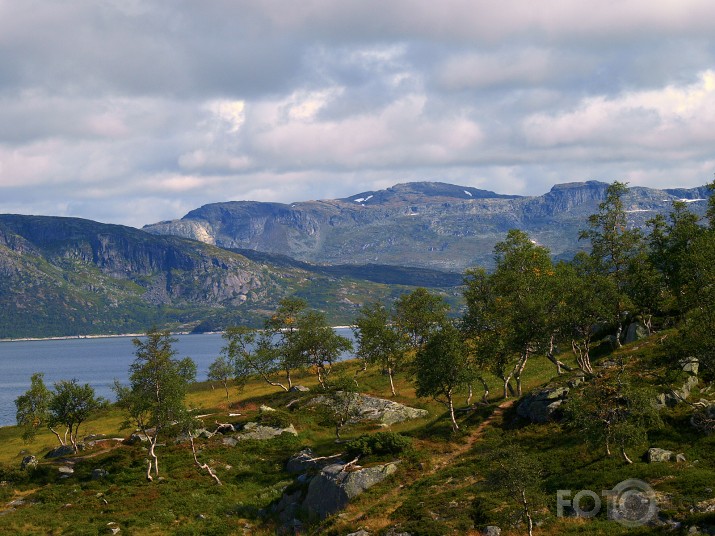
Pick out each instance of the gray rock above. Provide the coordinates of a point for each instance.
(361, 532)
(659, 455)
(113, 528)
(28, 461)
(305, 461)
(205, 434)
(690, 365)
(225, 429)
(383, 411)
(63, 450)
(65, 470)
(680, 458)
(491, 530)
(289, 506)
(677, 395)
(635, 332)
(332, 489)
(138, 437)
(99, 474)
(253, 430)
(299, 389)
(230, 441)
(541, 406)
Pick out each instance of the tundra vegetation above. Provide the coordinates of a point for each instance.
(617, 344)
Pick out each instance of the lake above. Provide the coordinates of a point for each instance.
(97, 361)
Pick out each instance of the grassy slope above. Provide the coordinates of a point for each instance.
(434, 492)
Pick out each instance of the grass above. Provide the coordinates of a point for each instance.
(439, 487)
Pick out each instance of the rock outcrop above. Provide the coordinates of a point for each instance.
(423, 224)
(325, 489)
(543, 405)
(387, 412)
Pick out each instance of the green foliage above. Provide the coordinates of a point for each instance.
(613, 246)
(380, 341)
(378, 444)
(515, 475)
(316, 344)
(442, 367)
(341, 403)
(610, 411)
(154, 399)
(71, 405)
(33, 407)
(510, 312)
(418, 314)
(275, 419)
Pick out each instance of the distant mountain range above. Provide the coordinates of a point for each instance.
(67, 276)
(231, 263)
(424, 224)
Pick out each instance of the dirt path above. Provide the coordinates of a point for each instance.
(442, 462)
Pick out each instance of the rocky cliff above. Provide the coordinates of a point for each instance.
(426, 224)
(67, 276)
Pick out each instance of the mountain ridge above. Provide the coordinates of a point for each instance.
(429, 224)
(70, 276)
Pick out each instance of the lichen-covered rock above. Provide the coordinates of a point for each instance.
(543, 405)
(661, 455)
(253, 430)
(383, 411)
(332, 489)
(635, 332)
(28, 461)
(63, 450)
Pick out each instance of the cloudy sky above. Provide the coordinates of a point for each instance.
(134, 111)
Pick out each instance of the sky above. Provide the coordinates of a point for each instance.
(136, 111)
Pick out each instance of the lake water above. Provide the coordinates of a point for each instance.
(95, 361)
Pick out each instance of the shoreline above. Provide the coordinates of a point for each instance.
(118, 335)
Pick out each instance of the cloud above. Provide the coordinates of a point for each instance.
(135, 111)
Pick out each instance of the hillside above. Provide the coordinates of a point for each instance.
(427, 224)
(440, 487)
(67, 276)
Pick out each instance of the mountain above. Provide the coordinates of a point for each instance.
(425, 224)
(68, 276)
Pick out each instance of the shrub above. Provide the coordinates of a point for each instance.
(274, 419)
(379, 444)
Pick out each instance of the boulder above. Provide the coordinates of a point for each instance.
(677, 395)
(299, 389)
(230, 441)
(253, 430)
(332, 489)
(690, 365)
(63, 450)
(635, 332)
(304, 462)
(491, 530)
(28, 461)
(383, 411)
(660, 455)
(65, 470)
(225, 429)
(138, 437)
(99, 474)
(541, 406)
(361, 532)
